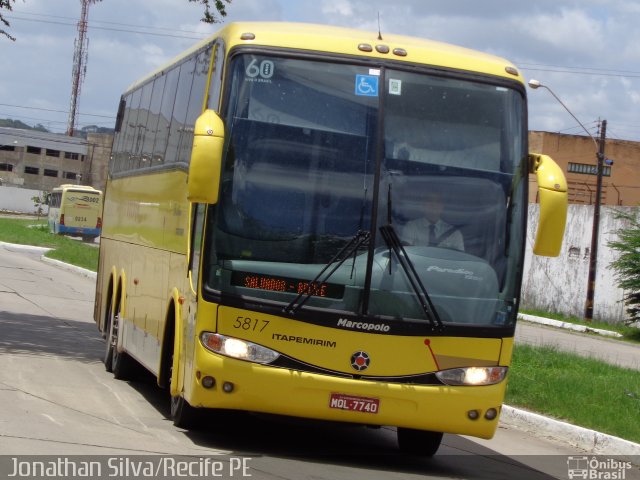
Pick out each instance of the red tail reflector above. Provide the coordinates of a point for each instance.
(99, 223)
(62, 219)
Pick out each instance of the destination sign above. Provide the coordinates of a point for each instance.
(286, 284)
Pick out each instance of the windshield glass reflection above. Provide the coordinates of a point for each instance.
(298, 188)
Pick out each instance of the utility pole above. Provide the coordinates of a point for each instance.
(79, 70)
(593, 252)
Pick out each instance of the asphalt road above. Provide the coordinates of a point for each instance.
(609, 350)
(56, 399)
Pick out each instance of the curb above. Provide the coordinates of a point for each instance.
(567, 326)
(71, 268)
(593, 442)
(14, 247)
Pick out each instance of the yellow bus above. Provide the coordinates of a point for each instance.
(254, 253)
(75, 210)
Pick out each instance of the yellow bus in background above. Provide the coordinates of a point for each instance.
(254, 252)
(75, 210)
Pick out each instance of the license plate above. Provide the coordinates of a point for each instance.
(354, 403)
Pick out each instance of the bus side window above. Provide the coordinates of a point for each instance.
(119, 151)
(164, 120)
(142, 131)
(179, 115)
(153, 117)
(195, 104)
(131, 129)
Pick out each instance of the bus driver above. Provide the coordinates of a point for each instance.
(431, 230)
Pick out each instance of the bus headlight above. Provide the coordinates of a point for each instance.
(236, 348)
(472, 375)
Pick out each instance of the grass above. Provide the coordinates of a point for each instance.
(581, 391)
(629, 333)
(35, 232)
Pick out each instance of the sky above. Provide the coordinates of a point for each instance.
(586, 51)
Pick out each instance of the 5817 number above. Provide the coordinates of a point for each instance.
(253, 324)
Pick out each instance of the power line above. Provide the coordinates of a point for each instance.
(578, 72)
(53, 126)
(48, 124)
(613, 135)
(13, 17)
(590, 125)
(595, 69)
(56, 111)
(12, 116)
(92, 22)
(627, 125)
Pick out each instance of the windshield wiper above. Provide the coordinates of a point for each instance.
(360, 239)
(393, 242)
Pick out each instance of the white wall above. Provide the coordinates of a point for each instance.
(13, 199)
(560, 284)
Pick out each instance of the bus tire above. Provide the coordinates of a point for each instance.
(419, 442)
(183, 414)
(121, 362)
(108, 352)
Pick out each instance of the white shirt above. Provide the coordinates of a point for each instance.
(416, 232)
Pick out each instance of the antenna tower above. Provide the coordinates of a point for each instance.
(79, 70)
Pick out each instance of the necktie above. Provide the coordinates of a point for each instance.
(432, 235)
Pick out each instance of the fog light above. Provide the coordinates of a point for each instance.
(473, 414)
(491, 414)
(227, 387)
(208, 382)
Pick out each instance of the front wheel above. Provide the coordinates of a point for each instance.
(183, 414)
(419, 442)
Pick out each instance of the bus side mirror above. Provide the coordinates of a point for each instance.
(552, 191)
(206, 159)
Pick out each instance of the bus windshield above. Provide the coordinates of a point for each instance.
(323, 158)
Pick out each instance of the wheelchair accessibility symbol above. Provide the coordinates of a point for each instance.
(367, 85)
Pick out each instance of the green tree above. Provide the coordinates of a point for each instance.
(218, 13)
(214, 12)
(5, 5)
(627, 265)
(38, 202)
